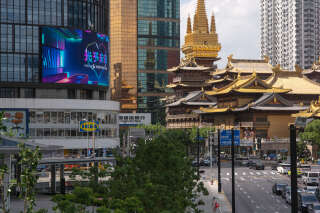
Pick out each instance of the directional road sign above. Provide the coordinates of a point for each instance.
(226, 137)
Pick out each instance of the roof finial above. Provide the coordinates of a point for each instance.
(200, 18)
(189, 27)
(213, 24)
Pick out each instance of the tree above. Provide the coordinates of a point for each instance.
(28, 159)
(160, 176)
(312, 133)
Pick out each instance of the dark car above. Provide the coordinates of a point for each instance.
(252, 163)
(259, 166)
(284, 191)
(305, 200)
(274, 166)
(278, 188)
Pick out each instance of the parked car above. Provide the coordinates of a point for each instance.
(288, 195)
(314, 208)
(277, 188)
(251, 164)
(304, 200)
(310, 189)
(205, 162)
(284, 191)
(259, 166)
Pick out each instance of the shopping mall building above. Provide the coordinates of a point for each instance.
(54, 73)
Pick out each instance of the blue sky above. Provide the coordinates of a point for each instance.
(237, 23)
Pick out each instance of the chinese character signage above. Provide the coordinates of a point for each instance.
(15, 122)
(74, 56)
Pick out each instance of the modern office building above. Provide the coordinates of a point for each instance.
(145, 41)
(54, 73)
(290, 32)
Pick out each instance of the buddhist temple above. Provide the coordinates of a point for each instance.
(222, 77)
(250, 95)
(201, 50)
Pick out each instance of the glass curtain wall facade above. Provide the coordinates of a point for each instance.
(20, 21)
(158, 50)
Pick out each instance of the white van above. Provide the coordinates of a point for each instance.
(283, 168)
(311, 178)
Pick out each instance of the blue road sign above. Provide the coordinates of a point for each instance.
(226, 137)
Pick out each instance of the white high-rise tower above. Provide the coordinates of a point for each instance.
(290, 32)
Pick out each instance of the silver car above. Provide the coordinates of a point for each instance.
(314, 208)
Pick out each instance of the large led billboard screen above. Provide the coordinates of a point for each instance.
(74, 56)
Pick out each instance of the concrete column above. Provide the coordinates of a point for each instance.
(6, 181)
(53, 179)
(62, 180)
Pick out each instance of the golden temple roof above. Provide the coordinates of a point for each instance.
(247, 84)
(294, 80)
(249, 66)
(199, 42)
(214, 110)
(313, 111)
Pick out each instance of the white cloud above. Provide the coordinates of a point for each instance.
(237, 23)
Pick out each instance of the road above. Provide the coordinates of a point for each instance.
(253, 189)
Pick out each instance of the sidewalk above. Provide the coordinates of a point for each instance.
(225, 206)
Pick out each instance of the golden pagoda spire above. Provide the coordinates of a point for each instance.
(200, 18)
(189, 27)
(213, 25)
(199, 42)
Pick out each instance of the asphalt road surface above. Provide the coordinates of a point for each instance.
(253, 189)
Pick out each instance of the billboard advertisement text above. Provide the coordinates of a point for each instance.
(74, 56)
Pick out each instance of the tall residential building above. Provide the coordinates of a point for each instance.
(54, 73)
(145, 40)
(290, 32)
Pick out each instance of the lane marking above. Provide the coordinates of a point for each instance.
(243, 173)
(251, 173)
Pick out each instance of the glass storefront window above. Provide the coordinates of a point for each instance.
(32, 117)
(67, 117)
(60, 132)
(67, 132)
(54, 132)
(46, 132)
(39, 116)
(46, 117)
(39, 132)
(61, 117)
(54, 117)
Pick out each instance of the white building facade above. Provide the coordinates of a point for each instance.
(290, 32)
(56, 122)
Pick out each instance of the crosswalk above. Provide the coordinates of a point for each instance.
(256, 175)
(253, 173)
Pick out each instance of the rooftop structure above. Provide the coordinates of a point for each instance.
(200, 42)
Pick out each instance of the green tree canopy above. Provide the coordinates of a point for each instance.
(160, 176)
(312, 132)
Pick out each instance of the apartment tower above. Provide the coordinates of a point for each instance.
(290, 32)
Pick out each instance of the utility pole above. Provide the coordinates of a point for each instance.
(232, 172)
(210, 148)
(293, 158)
(198, 152)
(219, 163)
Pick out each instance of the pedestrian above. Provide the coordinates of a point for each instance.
(215, 205)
